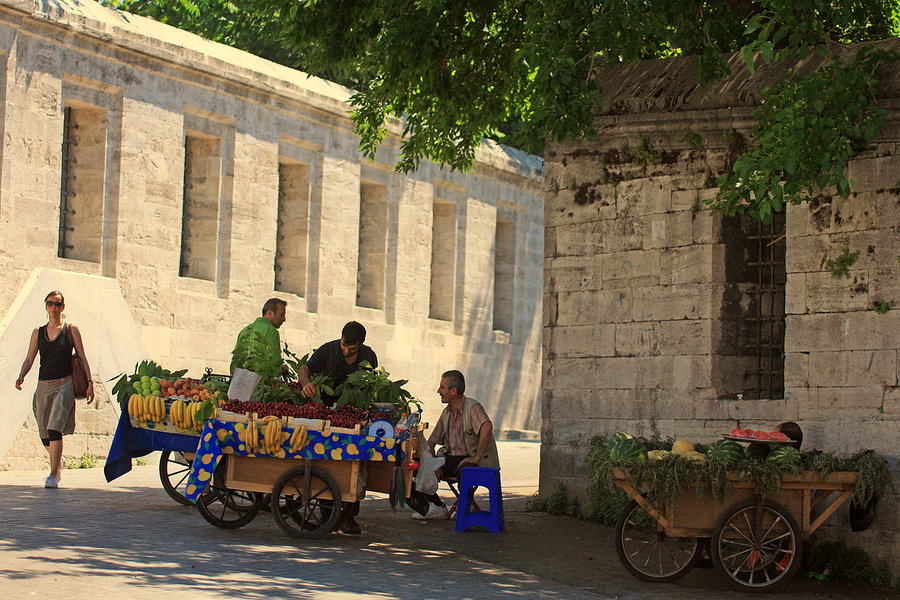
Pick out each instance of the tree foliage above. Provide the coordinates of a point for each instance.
(457, 71)
(807, 131)
(257, 29)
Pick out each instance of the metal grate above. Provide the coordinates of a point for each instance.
(65, 189)
(766, 335)
(184, 267)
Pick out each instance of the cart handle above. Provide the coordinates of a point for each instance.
(639, 498)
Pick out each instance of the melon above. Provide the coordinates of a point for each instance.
(628, 450)
(658, 454)
(682, 447)
(785, 456)
(617, 438)
(757, 451)
(725, 451)
(694, 455)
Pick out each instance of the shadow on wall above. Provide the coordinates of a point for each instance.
(497, 373)
(112, 340)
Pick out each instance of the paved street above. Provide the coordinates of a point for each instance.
(128, 539)
(93, 539)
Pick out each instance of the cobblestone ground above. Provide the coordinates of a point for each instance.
(90, 539)
(128, 539)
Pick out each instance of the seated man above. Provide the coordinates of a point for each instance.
(465, 433)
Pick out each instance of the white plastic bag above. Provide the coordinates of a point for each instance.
(243, 384)
(426, 479)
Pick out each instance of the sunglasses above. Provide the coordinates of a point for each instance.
(54, 302)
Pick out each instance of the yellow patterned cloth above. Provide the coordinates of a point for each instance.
(226, 437)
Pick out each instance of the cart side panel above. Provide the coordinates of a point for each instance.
(697, 518)
(259, 473)
(379, 476)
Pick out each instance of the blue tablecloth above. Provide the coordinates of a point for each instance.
(225, 437)
(132, 442)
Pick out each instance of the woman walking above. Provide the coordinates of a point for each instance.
(54, 399)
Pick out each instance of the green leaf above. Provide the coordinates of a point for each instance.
(777, 198)
(843, 187)
(790, 165)
(747, 58)
(753, 24)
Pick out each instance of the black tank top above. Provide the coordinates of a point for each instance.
(56, 356)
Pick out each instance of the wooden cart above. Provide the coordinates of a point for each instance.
(308, 498)
(755, 543)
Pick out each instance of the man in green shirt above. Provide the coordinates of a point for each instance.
(258, 346)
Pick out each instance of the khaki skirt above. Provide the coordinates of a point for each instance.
(54, 407)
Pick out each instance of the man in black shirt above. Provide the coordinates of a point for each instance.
(337, 359)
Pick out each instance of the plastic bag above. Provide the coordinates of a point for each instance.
(243, 384)
(426, 479)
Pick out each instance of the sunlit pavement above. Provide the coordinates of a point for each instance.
(129, 539)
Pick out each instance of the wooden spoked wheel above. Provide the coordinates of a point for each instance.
(756, 546)
(305, 502)
(227, 508)
(174, 468)
(647, 552)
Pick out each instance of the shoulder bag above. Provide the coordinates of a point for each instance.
(79, 377)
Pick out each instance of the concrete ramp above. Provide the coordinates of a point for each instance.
(96, 305)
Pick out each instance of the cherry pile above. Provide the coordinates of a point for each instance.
(313, 410)
(264, 409)
(340, 416)
(349, 416)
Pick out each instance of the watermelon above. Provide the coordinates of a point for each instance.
(628, 450)
(757, 451)
(617, 438)
(785, 456)
(726, 451)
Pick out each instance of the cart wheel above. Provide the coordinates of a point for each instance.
(227, 508)
(756, 555)
(649, 554)
(314, 519)
(174, 469)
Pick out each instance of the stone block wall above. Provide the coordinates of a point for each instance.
(648, 304)
(196, 136)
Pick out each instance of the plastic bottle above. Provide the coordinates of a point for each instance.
(402, 425)
(413, 419)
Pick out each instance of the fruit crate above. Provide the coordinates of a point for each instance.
(166, 424)
(323, 426)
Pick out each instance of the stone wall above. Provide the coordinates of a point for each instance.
(193, 161)
(648, 307)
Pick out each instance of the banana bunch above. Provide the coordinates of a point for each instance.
(251, 436)
(183, 415)
(273, 436)
(263, 436)
(147, 408)
(298, 438)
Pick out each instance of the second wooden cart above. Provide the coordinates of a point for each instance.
(755, 543)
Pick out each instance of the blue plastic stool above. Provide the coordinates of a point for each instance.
(492, 520)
